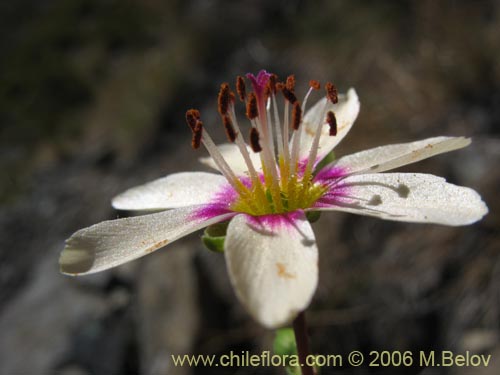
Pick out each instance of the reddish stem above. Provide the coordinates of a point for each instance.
(302, 340)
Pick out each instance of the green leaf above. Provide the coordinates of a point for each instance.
(214, 236)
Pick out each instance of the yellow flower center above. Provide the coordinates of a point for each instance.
(293, 194)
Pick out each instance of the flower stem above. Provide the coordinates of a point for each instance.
(300, 330)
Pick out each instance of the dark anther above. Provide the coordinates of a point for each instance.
(197, 133)
(254, 140)
(331, 92)
(296, 115)
(332, 122)
(240, 88)
(252, 111)
(224, 98)
(289, 95)
(192, 116)
(290, 82)
(228, 126)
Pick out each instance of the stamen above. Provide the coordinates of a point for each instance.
(197, 133)
(267, 93)
(267, 122)
(296, 115)
(331, 93)
(306, 179)
(283, 186)
(192, 116)
(286, 147)
(290, 82)
(261, 123)
(292, 184)
(228, 127)
(268, 161)
(224, 99)
(252, 111)
(332, 122)
(240, 88)
(277, 121)
(272, 83)
(254, 140)
(226, 170)
(261, 196)
(314, 84)
(289, 95)
(260, 89)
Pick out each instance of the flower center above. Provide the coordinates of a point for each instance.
(276, 180)
(295, 194)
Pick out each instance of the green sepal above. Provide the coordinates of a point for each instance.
(284, 345)
(293, 370)
(214, 236)
(313, 216)
(284, 342)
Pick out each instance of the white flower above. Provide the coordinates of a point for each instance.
(270, 246)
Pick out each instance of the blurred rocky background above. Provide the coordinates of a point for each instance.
(92, 101)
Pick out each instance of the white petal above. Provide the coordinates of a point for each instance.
(111, 243)
(176, 190)
(273, 266)
(346, 111)
(410, 197)
(388, 157)
(233, 157)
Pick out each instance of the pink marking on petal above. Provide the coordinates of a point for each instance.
(329, 174)
(272, 223)
(220, 204)
(336, 195)
(337, 191)
(210, 211)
